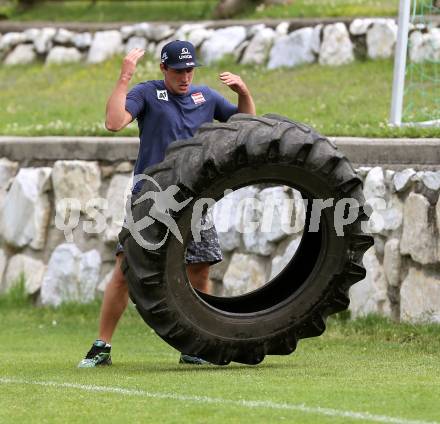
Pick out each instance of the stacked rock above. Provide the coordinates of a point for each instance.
(261, 45)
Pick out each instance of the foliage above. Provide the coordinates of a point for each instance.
(7, 8)
(16, 296)
(173, 10)
(316, 8)
(114, 11)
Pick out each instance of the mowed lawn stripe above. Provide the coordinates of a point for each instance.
(364, 416)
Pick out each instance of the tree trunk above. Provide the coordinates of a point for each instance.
(26, 4)
(229, 8)
(272, 2)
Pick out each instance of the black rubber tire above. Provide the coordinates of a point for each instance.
(295, 304)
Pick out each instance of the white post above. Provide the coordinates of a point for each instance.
(400, 63)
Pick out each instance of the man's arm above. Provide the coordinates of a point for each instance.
(235, 83)
(117, 117)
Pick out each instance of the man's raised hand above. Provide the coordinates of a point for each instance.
(129, 63)
(234, 82)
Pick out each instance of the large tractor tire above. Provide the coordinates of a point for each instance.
(295, 304)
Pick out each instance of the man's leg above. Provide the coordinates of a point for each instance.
(113, 306)
(116, 295)
(114, 302)
(198, 275)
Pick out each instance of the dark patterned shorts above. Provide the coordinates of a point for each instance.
(206, 250)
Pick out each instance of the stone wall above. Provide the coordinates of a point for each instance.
(403, 267)
(283, 45)
(259, 228)
(59, 226)
(403, 279)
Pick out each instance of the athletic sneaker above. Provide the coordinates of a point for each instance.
(98, 355)
(192, 360)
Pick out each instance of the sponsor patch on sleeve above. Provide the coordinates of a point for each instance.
(198, 98)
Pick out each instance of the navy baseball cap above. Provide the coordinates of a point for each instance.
(179, 55)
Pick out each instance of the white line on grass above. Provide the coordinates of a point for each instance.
(366, 416)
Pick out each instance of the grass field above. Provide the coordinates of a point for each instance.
(312, 8)
(166, 10)
(366, 370)
(349, 100)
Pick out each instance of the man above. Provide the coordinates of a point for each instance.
(166, 110)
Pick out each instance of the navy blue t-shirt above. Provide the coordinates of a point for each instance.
(164, 117)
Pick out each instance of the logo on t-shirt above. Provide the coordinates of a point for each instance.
(198, 98)
(162, 95)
